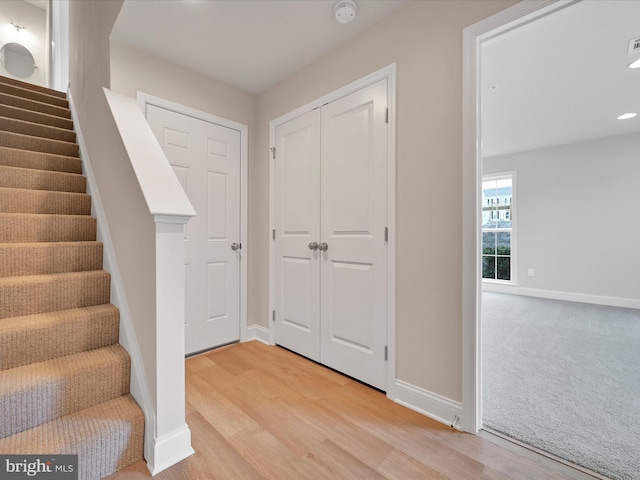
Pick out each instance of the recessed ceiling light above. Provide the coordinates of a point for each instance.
(627, 116)
(635, 64)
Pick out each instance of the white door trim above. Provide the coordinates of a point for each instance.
(473, 36)
(389, 72)
(145, 99)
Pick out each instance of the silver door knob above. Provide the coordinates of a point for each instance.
(313, 246)
(236, 246)
(323, 247)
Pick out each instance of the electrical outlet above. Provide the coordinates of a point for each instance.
(530, 272)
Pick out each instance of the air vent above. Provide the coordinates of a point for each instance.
(634, 46)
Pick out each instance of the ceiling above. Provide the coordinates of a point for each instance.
(43, 4)
(251, 44)
(561, 79)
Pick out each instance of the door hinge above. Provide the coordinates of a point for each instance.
(386, 115)
(273, 234)
(273, 152)
(386, 353)
(386, 234)
(273, 316)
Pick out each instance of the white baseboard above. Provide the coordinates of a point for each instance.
(171, 449)
(565, 296)
(258, 332)
(432, 405)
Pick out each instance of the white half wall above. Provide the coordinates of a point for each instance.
(577, 218)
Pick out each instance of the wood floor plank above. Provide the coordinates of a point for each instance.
(258, 411)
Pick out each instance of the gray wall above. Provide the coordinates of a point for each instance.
(424, 39)
(131, 226)
(577, 216)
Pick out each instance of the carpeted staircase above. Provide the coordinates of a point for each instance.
(64, 378)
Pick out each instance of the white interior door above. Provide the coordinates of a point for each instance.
(297, 224)
(206, 159)
(353, 220)
(331, 188)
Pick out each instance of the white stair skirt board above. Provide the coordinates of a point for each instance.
(432, 405)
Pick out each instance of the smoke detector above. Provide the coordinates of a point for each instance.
(345, 11)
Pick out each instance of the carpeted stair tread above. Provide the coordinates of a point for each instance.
(33, 294)
(31, 86)
(32, 179)
(36, 129)
(28, 104)
(29, 227)
(107, 438)
(19, 200)
(36, 338)
(31, 94)
(48, 258)
(41, 392)
(38, 144)
(12, 157)
(35, 117)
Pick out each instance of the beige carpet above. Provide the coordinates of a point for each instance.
(64, 378)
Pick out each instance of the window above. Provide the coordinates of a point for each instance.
(497, 228)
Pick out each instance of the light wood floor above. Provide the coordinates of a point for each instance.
(258, 411)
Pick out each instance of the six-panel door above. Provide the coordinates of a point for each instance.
(206, 160)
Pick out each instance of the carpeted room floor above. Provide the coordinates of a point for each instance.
(564, 377)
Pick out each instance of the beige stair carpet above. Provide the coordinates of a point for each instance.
(64, 378)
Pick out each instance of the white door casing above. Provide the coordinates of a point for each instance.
(330, 180)
(297, 224)
(206, 159)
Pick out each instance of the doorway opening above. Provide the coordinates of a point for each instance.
(547, 353)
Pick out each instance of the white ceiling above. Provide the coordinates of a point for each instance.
(43, 4)
(251, 44)
(561, 79)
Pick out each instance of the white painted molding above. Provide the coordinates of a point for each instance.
(171, 449)
(432, 405)
(145, 99)
(565, 296)
(258, 332)
(390, 74)
(473, 36)
(139, 385)
(159, 185)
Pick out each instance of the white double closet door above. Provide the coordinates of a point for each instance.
(331, 191)
(206, 159)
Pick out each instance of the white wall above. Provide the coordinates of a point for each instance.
(34, 38)
(577, 216)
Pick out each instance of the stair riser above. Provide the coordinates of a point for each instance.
(33, 95)
(26, 178)
(42, 202)
(31, 86)
(25, 228)
(36, 338)
(11, 157)
(35, 117)
(22, 259)
(32, 396)
(106, 437)
(35, 106)
(36, 144)
(36, 130)
(51, 293)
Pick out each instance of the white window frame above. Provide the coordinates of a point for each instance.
(513, 263)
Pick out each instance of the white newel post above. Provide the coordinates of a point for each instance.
(173, 437)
